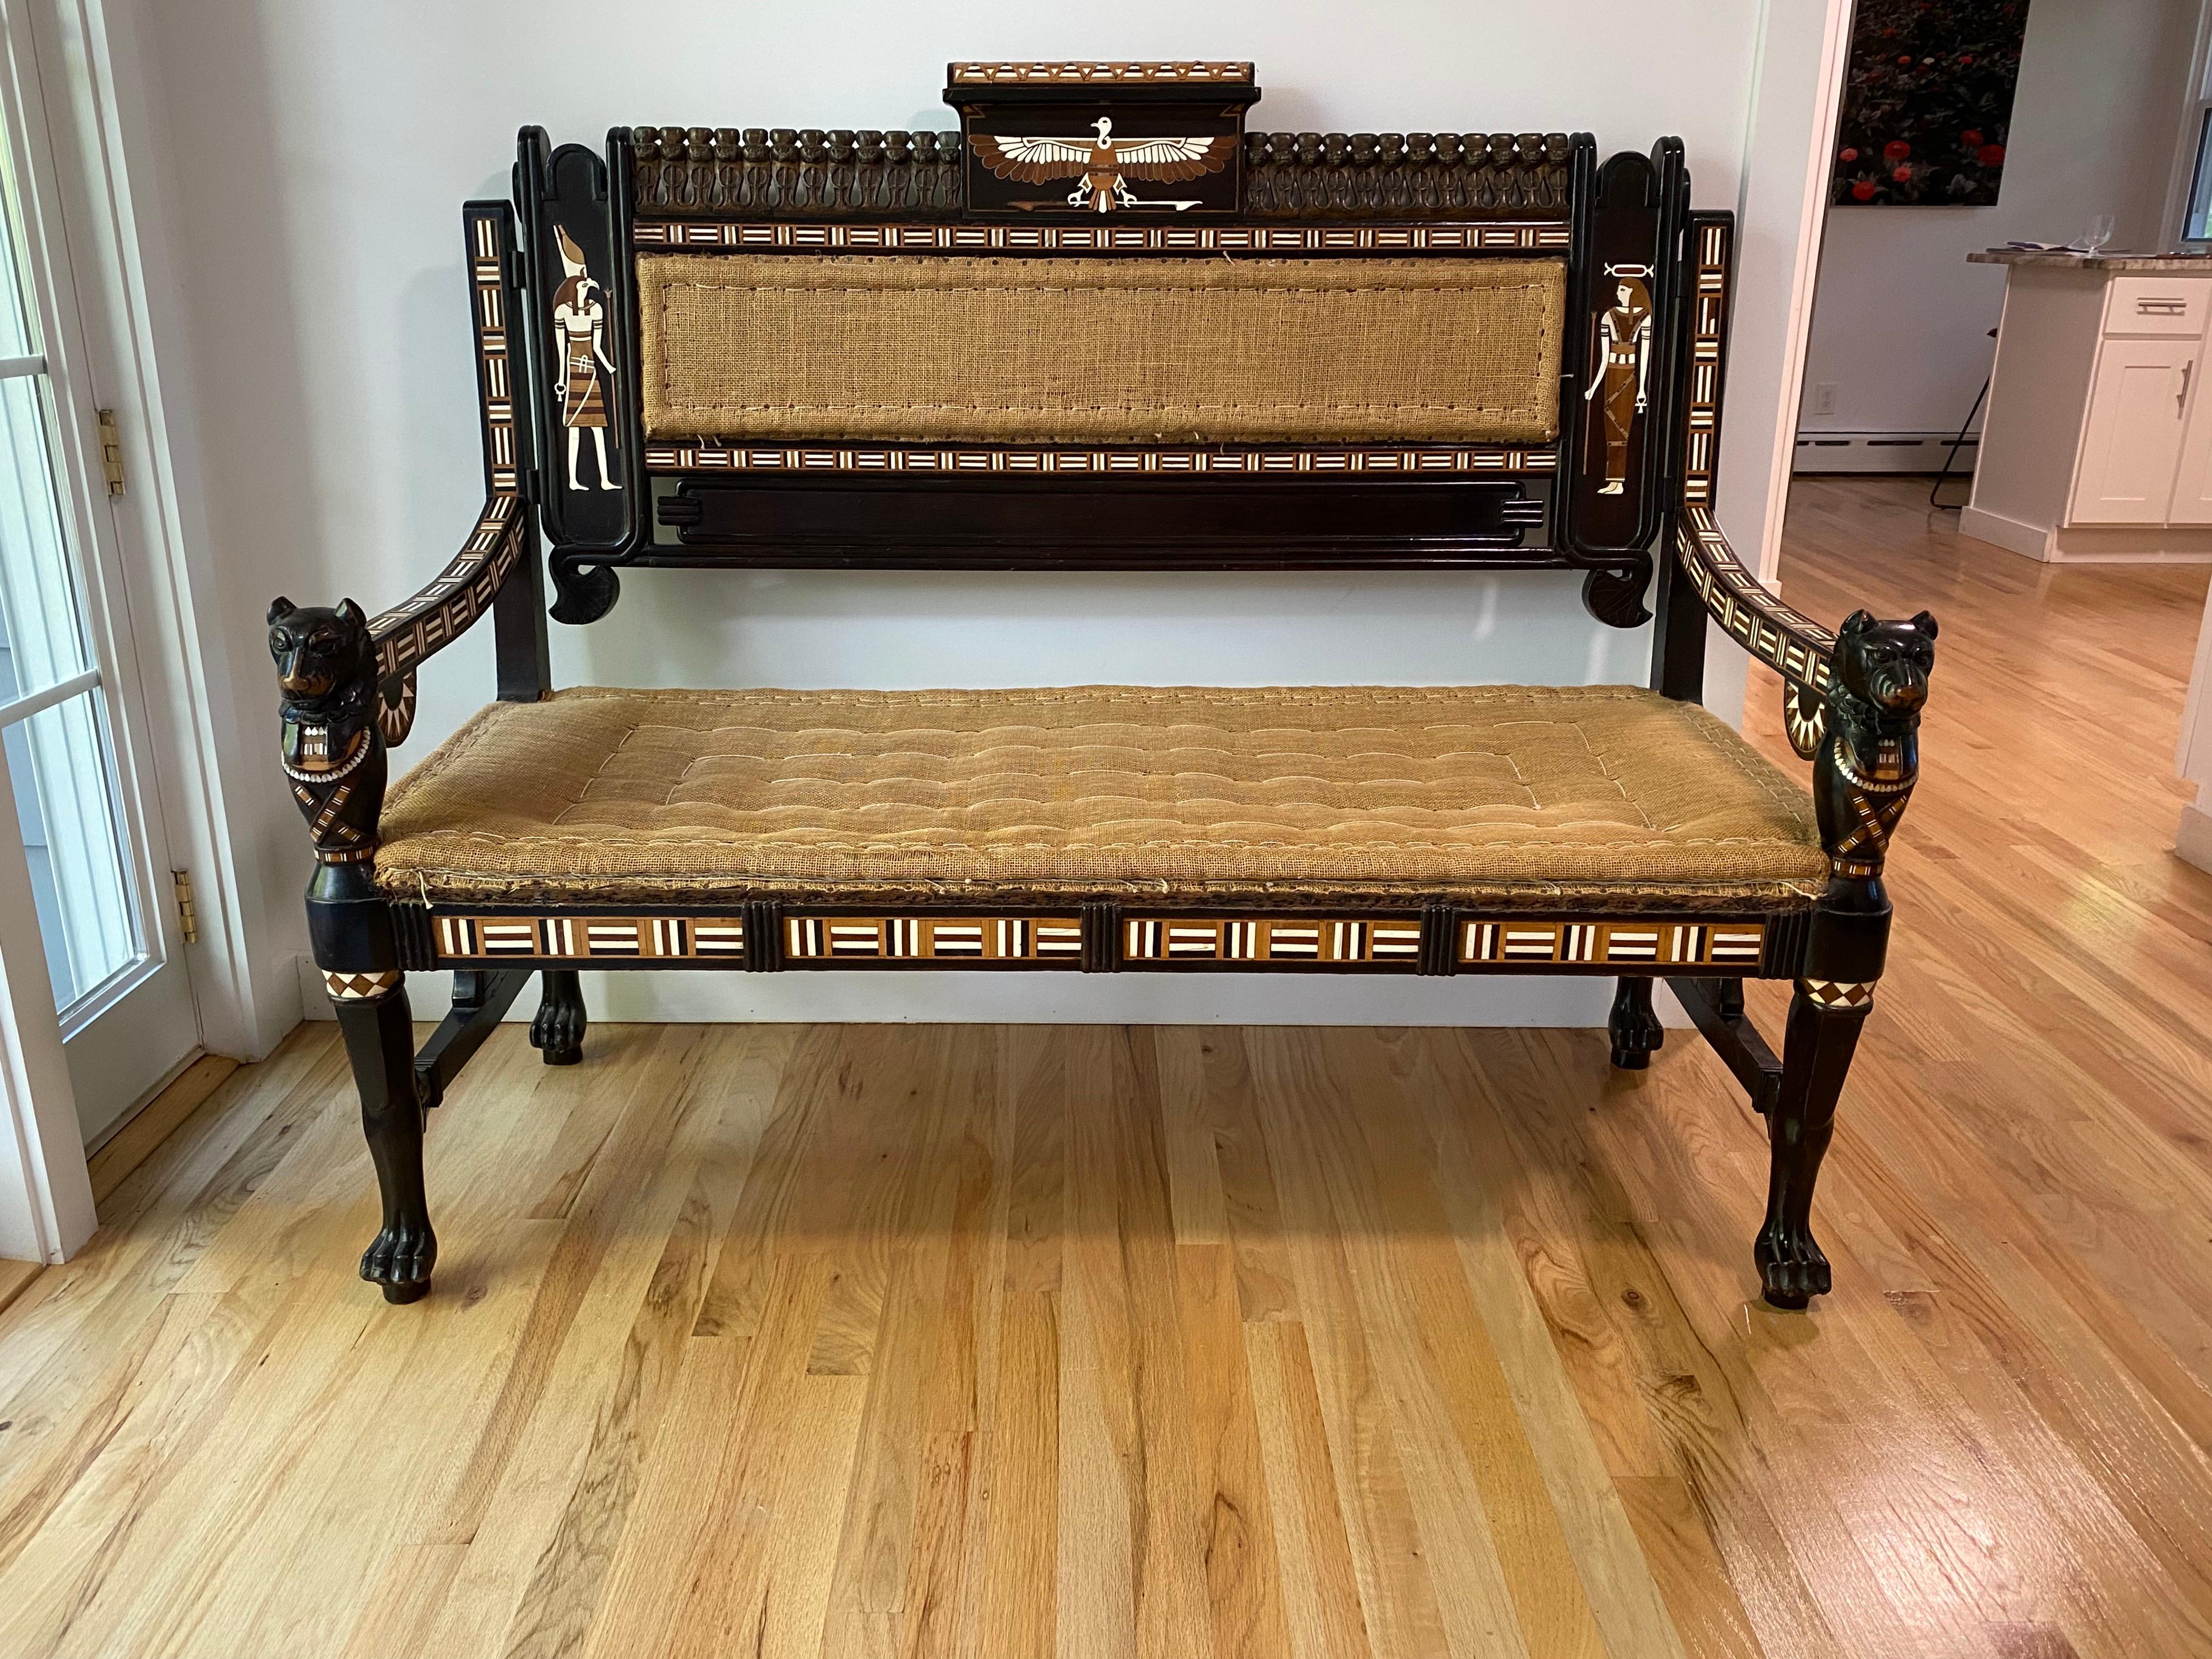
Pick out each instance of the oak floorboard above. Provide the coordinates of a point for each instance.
(1001, 1342)
(130, 1146)
(16, 1278)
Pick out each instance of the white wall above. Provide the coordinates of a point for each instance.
(1901, 322)
(313, 156)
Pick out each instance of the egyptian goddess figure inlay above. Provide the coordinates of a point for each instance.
(1621, 380)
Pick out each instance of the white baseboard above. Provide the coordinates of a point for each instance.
(1883, 452)
(2014, 535)
(2089, 544)
(2193, 840)
(817, 996)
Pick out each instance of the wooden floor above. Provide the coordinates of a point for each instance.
(1004, 1342)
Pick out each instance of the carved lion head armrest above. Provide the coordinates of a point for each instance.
(1851, 699)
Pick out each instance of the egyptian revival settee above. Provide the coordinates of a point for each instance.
(1101, 327)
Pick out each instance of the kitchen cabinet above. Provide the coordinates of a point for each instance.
(2131, 442)
(2098, 441)
(2192, 479)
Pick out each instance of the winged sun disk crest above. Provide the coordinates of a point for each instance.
(1162, 161)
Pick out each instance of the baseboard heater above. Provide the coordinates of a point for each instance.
(1882, 451)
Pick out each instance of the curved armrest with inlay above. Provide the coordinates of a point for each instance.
(1851, 698)
(347, 680)
(417, 628)
(1752, 614)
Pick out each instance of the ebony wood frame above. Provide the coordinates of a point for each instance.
(1852, 697)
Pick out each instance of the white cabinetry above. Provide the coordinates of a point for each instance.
(2192, 480)
(2097, 443)
(2131, 443)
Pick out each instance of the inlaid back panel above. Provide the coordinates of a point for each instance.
(1014, 350)
(1102, 326)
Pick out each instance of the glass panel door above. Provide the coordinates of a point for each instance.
(90, 833)
(52, 721)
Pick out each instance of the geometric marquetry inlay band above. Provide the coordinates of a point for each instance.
(706, 455)
(1262, 940)
(360, 987)
(1088, 73)
(1543, 944)
(925, 938)
(1701, 409)
(1503, 942)
(1836, 993)
(1785, 639)
(423, 624)
(1517, 236)
(710, 938)
(495, 385)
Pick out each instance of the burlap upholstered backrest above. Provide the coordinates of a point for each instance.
(1104, 326)
(1116, 350)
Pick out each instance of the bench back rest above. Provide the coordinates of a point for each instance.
(994, 350)
(1104, 326)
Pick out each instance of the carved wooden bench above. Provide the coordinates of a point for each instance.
(1101, 327)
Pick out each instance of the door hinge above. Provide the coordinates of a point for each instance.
(188, 924)
(110, 451)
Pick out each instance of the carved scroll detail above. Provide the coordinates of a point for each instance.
(783, 173)
(802, 173)
(1335, 175)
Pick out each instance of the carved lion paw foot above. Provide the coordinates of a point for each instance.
(1635, 1041)
(400, 1260)
(1790, 1265)
(557, 1032)
(1636, 1030)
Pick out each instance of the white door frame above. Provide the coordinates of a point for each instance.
(1782, 209)
(123, 1036)
(45, 1191)
(98, 111)
(1796, 108)
(104, 131)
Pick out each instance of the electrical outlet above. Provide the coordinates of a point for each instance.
(1824, 397)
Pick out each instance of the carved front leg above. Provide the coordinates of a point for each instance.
(334, 761)
(1863, 773)
(380, 1038)
(1825, 1018)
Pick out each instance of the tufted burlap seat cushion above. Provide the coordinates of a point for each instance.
(1608, 797)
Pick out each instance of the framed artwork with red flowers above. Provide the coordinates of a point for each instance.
(1928, 103)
